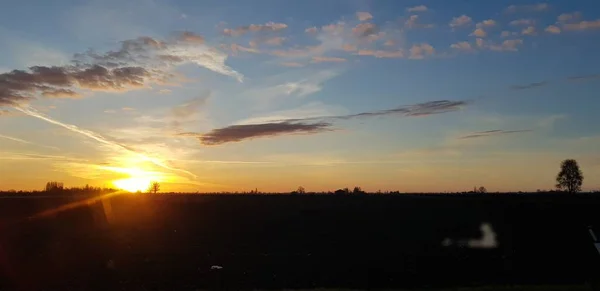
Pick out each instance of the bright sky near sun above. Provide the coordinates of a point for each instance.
(237, 95)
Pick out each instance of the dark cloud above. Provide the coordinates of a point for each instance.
(529, 86)
(136, 62)
(236, 133)
(494, 132)
(584, 77)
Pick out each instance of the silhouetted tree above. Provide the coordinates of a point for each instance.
(154, 187)
(570, 177)
(54, 186)
(301, 190)
(482, 190)
(358, 190)
(342, 191)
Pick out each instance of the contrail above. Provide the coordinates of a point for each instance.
(26, 142)
(99, 138)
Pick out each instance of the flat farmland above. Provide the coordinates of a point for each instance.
(175, 241)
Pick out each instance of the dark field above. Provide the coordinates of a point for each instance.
(168, 242)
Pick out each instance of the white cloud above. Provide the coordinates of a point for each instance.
(479, 32)
(420, 8)
(529, 31)
(462, 20)
(364, 16)
(486, 23)
(520, 22)
(462, 46)
(553, 29)
(420, 51)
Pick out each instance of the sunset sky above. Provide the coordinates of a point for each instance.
(416, 96)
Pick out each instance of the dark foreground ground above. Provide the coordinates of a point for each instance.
(170, 242)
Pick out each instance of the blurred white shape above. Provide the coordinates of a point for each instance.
(486, 241)
(216, 267)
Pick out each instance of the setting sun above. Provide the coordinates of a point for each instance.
(133, 184)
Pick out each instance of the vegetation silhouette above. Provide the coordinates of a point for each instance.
(154, 187)
(570, 177)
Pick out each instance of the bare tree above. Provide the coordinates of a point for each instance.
(482, 190)
(570, 177)
(301, 190)
(154, 187)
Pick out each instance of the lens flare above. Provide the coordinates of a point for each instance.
(134, 184)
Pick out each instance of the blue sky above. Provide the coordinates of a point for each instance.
(391, 95)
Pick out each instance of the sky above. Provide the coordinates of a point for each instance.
(203, 96)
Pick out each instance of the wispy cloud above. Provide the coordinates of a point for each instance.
(527, 8)
(529, 86)
(522, 22)
(494, 132)
(267, 27)
(419, 8)
(530, 30)
(15, 139)
(101, 139)
(583, 25)
(319, 59)
(462, 46)
(382, 53)
(292, 64)
(584, 77)
(311, 125)
(137, 63)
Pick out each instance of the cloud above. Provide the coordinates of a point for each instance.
(462, 20)
(527, 8)
(462, 46)
(522, 22)
(292, 64)
(486, 23)
(363, 30)
(583, 25)
(191, 37)
(569, 17)
(510, 45)
(316, 124)
(164, 91)
(553, 29)
(584, 77)
(349, 47)
(15, 139)
(237, 133)
(190, 107)
(420, 8)
(101, 139)
(364, 16)
(420, 51)
(412, 22)
(236, 48)
(479, 32)
(61, 93)
(135, 64)
(311, 30)
(278, 40)
(529, 86)
(382, 53)
(529, 31)
(327, 60)
(507, 33)
(267, 27)
(494, 132)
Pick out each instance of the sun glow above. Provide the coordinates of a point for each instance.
(133, 184)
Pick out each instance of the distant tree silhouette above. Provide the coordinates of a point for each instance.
(154, 187)
(482, 190)
(301, 190)
(342, 191)
(54, 187)
(358, 190)
(570, 177)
